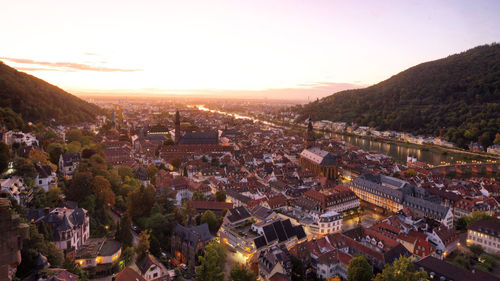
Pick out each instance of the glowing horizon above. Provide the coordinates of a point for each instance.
(289, 49)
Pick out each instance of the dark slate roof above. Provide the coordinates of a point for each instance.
(427, 207)
(192, 234)
(68, 159)
(449, 271)
(237, 214)
(145, 263)
(238, 196)
(200, 138)
(319, 156)
(59, 219)
(490, 227)
(43, 171)
(372, 184)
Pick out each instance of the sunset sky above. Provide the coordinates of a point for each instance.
(277, 49)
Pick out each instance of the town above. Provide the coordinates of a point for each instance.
(172, 190)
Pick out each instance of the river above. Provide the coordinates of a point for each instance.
(398, 152)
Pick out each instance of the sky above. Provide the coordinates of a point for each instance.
(275, 49)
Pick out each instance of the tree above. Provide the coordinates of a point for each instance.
(4, 156)
(211, 264)
(152, 170)
(211, 219)
(240, 273)
(24, 167)
(140, 201)
(125, 171)
(55, 150)
(127, 255)
(485, 140)
(220, 196)
(402, 269)
(74, 135)
(198, 196)
(80, 187)
(143, 244)
(497, 139)
(103, 192)
(124, 232)
(74, 147)
(477, 250)
(176, 162)
(359, 269)
(75, 268)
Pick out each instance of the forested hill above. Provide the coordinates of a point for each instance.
(38, 101)
(457, 97)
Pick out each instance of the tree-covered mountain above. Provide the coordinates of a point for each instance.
(457, 97)
(38, 101)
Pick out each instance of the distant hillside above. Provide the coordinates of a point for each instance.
(38, 101)
(457, 97)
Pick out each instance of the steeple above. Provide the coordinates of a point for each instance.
(177, 127)
(309, 136)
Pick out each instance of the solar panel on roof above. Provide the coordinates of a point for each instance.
(270, 233)
(260, 242)
(280, 231)
(300, 232)
(287, 225)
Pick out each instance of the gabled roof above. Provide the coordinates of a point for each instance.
(237, 214)
(200, 138)
(449, 271)
(128, 274)
(318, 156)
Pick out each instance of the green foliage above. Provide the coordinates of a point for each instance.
(124, 232)
(4, 156)
(80, 187)
(220, 196)
(33, 246)
(140, 201)
(55, 150)
(401, 269)
(240, 273)
(461, 261)
(24, 168)
(76, 269)
(460, 93)
(176, 163)
(359, 269)
(39, 101)
(198, 196)
(211, 219)
(143, 244)
(477, 250)
(475, 216)
(10, 119)
(125, 172)
(211, 263)
(127, 255)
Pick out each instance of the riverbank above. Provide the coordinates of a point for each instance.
(431, 154)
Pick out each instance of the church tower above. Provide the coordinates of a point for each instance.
(309, 136)
(177, 127)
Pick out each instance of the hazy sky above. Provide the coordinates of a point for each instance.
(311, 47)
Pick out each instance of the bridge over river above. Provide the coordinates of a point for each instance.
(470, 169)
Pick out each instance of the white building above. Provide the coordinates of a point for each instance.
(485, 233)
(17, 189)
(12, 137)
